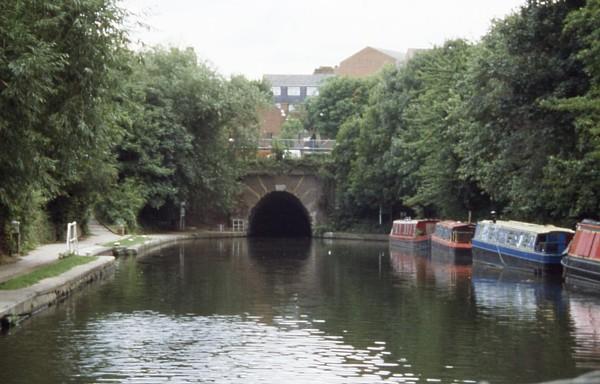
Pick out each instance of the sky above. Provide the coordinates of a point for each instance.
(256, 37)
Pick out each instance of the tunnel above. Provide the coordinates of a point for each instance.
(279, 214)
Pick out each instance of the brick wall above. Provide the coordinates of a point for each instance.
(271, 121)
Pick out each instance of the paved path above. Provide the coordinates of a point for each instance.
(48, 253)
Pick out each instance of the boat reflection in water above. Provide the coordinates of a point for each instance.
(585, 319)
(451, 242)
(516, 295)
(418, 269)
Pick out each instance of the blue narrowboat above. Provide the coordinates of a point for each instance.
(526, 246)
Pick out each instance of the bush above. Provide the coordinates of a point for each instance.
(122, 205)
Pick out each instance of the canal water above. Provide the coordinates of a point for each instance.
(294, 311)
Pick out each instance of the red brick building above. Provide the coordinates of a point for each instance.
(369, 61)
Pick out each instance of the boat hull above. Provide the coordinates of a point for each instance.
(581, 271)
(416, 246)
(451, 254)
(508, 258)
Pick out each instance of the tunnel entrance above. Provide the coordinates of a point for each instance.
(279, 214)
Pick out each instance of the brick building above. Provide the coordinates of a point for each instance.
(291, 90)
(369, 61)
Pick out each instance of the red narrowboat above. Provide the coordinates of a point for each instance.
(582, 262)
(412, 235)
(451, 241)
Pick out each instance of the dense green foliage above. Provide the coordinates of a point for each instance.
(57, 75)
(340, 98)
(186, 130)
(510, 123)
(85, 122)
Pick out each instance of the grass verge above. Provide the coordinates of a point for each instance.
(50, 270)
(127, 242)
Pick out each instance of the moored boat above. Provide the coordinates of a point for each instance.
(514, 244)
(582, 262)
(411, 234)
(451, 241)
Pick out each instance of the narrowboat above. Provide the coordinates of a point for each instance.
(412, 235)
(514, 244)
(582, 262)
(451, 241)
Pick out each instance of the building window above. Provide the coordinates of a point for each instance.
(276, 91)
(312, 91)
(293, 91)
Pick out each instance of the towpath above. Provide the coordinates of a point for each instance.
(48, 253)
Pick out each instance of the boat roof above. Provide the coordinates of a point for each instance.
(415, 221)
(454, 224)
(590, 224)
(528, 227)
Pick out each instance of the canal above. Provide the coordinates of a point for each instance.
(302, 311)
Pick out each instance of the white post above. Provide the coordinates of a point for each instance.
(72, 242)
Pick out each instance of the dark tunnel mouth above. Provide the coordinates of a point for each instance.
(279, 214)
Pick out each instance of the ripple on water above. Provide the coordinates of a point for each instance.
(148, 347)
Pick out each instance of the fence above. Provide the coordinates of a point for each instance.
(239, 225)
(302, 146)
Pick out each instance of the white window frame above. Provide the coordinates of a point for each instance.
(312, 91)
(293, 91)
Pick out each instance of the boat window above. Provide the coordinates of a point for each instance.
(501, 236)
(512, 238)
(526, 240)
(463, 236)
(549, 243)
(407, 229)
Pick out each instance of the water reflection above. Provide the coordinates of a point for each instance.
(225, 349)
(585, 315)
(291, 311)
(419, 269)
(449, 255)
(515, 295)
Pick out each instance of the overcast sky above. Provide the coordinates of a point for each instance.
(254, 37)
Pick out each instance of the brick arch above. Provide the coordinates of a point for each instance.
(279, 213)
(308, 188)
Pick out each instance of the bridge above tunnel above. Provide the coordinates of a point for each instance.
(276, 205)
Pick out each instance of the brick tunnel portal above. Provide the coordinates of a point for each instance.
(279, 214)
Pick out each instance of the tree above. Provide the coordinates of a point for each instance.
(508, 136)
(339, 99)
(367, 182)
(578, 195)
(428, 144)
(57, 63)
(186, 131)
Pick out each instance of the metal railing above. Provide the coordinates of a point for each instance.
(238, 225)
(302, 145)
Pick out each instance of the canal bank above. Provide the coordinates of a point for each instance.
(19, 304)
